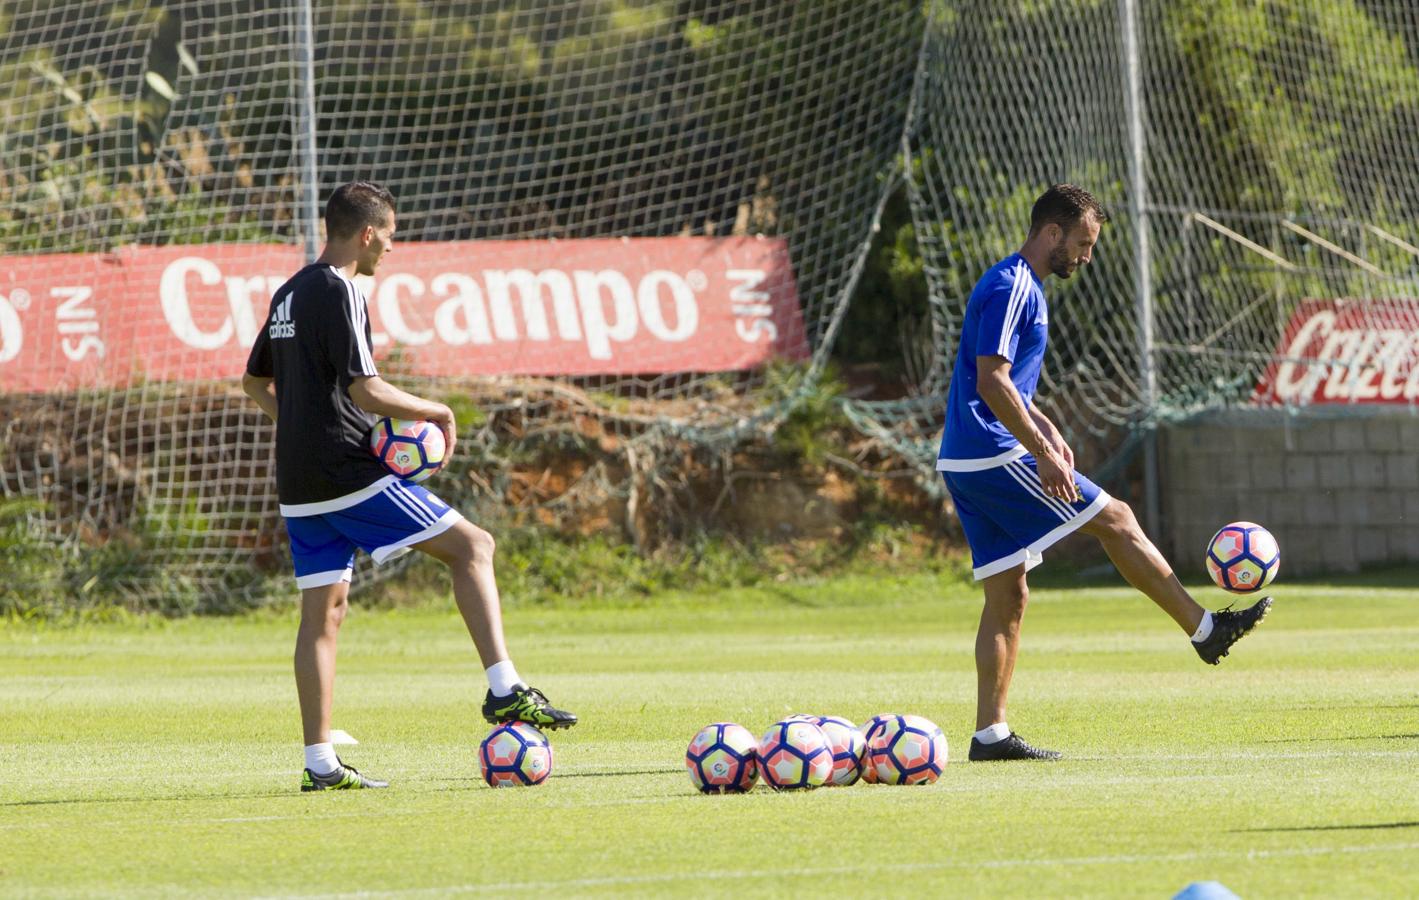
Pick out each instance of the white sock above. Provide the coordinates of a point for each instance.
(1204, 628)
(502, 678)
(321, 758)
(993, 734)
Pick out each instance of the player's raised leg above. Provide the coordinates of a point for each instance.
(468, 550)
(323, 609)
(1143, 566)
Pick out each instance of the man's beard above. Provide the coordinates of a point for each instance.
(1060, 263)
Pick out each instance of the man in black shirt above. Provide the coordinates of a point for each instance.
(311, 370)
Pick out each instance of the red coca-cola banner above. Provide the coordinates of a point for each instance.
(584, 307)
(1347, 351)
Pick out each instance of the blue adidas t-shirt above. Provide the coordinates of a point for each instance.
(1006, 316)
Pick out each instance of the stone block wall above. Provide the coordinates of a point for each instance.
(1340, 492)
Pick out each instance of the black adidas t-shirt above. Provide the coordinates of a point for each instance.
(316, 340)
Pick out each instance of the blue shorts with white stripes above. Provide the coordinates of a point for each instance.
(384, 525)
(1009, 519)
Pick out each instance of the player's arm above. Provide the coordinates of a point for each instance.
(258, 380)
(377, 396)
(998, 392)
(263, 391)
(1052, 434)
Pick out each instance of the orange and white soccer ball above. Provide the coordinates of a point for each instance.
(795, 755)
(723, 758)
(515, 754)
(907, 750)
(1243, 557)
(412, 450)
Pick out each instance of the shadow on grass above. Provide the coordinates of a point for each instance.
(618, 773)
(1389, 576)
(559, 775)
(1094, 573)
(1365, 827)
(1353, 737)
(181, 798)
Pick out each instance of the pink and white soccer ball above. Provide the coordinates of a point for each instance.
(907, 750)
(795, 755)
(1243, 557)
(723, 758)
(848, 746)
(412, 450)
(870, 729)
(515, 754)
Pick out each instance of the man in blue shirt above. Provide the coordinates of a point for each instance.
(1011, 474)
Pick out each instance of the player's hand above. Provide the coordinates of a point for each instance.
(1057, 476)
(443, 418)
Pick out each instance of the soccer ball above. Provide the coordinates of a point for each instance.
(795, 754)
(1243, 557)
(848, 747)
(907, 750)
(515, 754)
(870, 729)
(723, 759)
(412, 450)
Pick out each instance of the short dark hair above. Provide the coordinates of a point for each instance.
(355, 205)
(1065, 205)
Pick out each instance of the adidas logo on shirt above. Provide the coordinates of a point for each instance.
(281, 324)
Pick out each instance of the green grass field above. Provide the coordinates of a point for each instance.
(161, 758)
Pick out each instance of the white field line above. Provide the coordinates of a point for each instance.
(873, 868)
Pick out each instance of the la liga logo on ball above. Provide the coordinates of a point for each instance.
(1243, 557)
(412, 450)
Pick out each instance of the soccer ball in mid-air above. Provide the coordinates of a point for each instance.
(870, 729)
(412, 450)
(795, 754)
(723, 759)
(515, 754)
(1243, 557)
(848, 747)
(907, 750)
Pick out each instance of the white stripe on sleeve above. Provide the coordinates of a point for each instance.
(1014, 306)
(356, 301)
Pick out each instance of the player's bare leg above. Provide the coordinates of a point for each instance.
(1143, 566)
(1141, 563)
(998, 642)
(467, 550)
(997, 646)
(322, 610)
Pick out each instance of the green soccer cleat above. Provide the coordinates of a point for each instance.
(526, 705)
(345, 778)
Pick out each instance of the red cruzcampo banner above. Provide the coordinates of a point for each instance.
(1347, 351)
(582, 307)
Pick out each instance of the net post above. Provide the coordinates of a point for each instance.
(308, 212)
(1137, 208)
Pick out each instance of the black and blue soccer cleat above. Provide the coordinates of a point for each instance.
(1010, 748)
(1228, 627)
